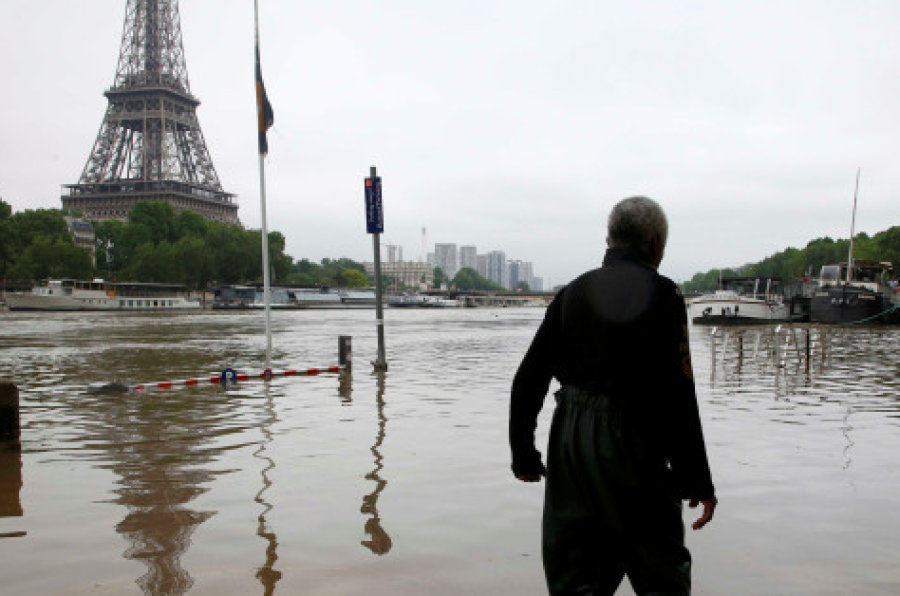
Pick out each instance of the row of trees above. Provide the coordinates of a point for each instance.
(37, 243)
(795, 263)
(157, 244)
(467, 279)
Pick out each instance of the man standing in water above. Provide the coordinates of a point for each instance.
(626, 445)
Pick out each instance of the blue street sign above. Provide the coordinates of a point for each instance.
(374, 212)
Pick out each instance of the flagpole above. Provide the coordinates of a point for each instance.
(262, 206)
(265, 261)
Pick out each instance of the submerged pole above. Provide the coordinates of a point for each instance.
(374, 226)
(10, 429)
(776, 344)
(345, 351)
(808, 348)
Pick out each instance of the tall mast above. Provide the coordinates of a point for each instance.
(852, 231)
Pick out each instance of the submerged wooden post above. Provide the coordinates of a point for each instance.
(9, 412)
(807, 349)
(776, 344)
(796, 345)
(345, 352)
(10, 484)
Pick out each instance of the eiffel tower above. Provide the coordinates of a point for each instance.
(150, 146)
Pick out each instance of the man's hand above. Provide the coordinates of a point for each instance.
(709, 508)
(529, 477)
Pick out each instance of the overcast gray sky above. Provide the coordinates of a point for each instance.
(511, 125)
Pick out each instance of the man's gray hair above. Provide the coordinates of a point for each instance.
(635, 220)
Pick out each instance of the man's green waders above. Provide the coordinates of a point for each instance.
(609, 508)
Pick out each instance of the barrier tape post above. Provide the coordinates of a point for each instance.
(345, 351)
(10, 429)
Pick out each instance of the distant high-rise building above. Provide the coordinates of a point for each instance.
(445, 257)
(392, 253)
(537, 284)
(482, 266)
(526, 273)
(417, 276)
(468, 257)
(514, 270)
(497, 271)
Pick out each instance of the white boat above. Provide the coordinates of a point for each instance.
(74, 294)
(244, 297)
(741, 301)
(422, 301)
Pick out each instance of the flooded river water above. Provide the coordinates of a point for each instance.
(400, 484)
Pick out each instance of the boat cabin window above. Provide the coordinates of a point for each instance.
(831, 274)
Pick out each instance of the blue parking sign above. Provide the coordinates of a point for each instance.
(374, 213)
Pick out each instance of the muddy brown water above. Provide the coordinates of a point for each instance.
(359, 484)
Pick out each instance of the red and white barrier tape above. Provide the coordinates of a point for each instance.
(234, 377)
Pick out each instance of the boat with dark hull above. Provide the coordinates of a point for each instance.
(862, 296)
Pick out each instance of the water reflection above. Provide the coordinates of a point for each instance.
(267, 574)
(783, 351)
(846, 427)
(379, 542)
(345, 386)
(10, 484)
(811, 373)
(161, 448)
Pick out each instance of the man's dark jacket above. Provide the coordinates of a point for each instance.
(620, 331)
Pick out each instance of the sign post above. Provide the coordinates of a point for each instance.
(375, 226)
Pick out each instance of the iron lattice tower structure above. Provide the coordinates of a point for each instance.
(150, 146)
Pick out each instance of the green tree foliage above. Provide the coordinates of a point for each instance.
(468, 279)
(353, 278)
(330, 273)
(158, 244)
(279, 262)
(192, 249)
(5, 237)
(706, 282)
(793, 263)
(439, 277)
(304, 274)
(36, 243)
(156, 217)
(51, 257)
